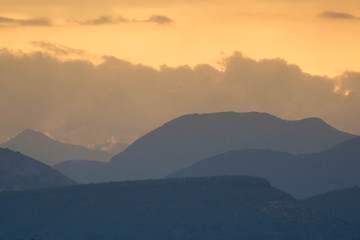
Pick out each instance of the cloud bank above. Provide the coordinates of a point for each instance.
(83, 103)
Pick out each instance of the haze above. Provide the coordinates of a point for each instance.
(89, 71)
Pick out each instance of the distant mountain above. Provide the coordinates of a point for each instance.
(301, 175)
(111, 148)
(49, 151)
(190, 138)
(78, 170)
(214, 208)
(19, 172)
(117, 148)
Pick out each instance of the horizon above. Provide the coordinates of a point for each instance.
(112, 142)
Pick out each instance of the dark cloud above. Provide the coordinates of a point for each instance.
(103, 20)
(83, 103)
(337, 15)
(160, 19)
(12, 22)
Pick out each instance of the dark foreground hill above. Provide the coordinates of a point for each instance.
(49, 151)
(200, 208)
(301, 175)
(18, 172)
(190, 138)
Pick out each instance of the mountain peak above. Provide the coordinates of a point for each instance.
(31, 134)
(50, 151)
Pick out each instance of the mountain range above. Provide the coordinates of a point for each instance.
(49, 151)
(301, 175)
(188, 139)
(212, 208)
(19, 172)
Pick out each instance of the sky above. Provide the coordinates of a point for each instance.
(89, 71)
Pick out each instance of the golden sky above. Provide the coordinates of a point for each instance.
(318, 40)
(312, 34)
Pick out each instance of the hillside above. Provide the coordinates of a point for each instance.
(301, 175)
(19, 172)
(199, 208)
(49, 151)
(184, 141)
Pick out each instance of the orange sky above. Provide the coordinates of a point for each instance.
(200, 32)
(72, 99)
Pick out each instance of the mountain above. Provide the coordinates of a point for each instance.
(343, 203)
(49, 151)
(199, 208)
(19, 172)
(78, 170)
(117, 148)
(301, 175)
(190, 138)
(112, 148)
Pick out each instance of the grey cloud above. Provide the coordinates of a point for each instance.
(337, 15)
(12, 22)
(160, 19)
(103, 20)
(35, 22)
(6, 20)
(350, 81)
(56, 49)
(83, 103)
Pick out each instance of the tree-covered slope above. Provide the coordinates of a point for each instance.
(194, 208)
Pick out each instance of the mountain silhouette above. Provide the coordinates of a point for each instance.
(212, 208)
(301, 175)
(190, 138)
(19, 172)
(78, 170)
(49, 151)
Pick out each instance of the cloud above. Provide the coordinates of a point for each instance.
(160, 19)
(105, 20)
(13, 22)
(6, 20)
(58, 50)
(337, 15)
(84, 103)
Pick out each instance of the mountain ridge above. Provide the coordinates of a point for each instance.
(301, 175)
(187, 139)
